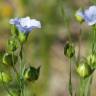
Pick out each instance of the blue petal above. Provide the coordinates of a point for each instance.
(14, 21)
(90, 15)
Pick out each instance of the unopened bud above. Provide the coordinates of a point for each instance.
(4, 77)
(31, 73)
(69, 50)
(83, 70)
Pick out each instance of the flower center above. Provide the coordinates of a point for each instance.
(25, 22)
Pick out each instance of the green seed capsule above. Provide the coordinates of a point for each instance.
(91, 60)
(31, 73)
(79, 16)
(83, 70)
(8, 59)
(4, 77)
(12, 44)
(2, 52)
(22, 37)
(69, 50)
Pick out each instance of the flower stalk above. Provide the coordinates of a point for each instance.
(21, 27)
(70, 80)
(87, 67)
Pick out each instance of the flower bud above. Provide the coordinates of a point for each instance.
(31, 73)
(2, 52)
(69, 50)
(8, 59)
(79, 16)
(12, 44)
(91, 60)
(22, 37)
(83, 70)
(4, 77)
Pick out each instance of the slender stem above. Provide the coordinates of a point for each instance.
(14, 69)
(13, 63)
(81, 87)
(88, 85)
(85, 84)
(21, 72)
(79, 47)
(70, 81)
(93, 39)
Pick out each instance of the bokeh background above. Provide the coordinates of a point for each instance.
(45, 46)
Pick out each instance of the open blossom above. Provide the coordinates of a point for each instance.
(25, 24)
(88, 15)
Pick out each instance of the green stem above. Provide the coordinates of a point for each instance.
(82, 87)
(70, 81)
(85, 84)
(88, 85)
(93, 39)
(14, 69)
(21, 72)
(79, 45)
(13, 63)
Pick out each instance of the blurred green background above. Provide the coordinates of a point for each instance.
(45, 46)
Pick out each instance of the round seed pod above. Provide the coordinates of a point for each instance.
(12, 44)
(84, 70)
(2, 52)
(8, 59)
(91, 61)
(22, 37)
(69, 50)
(31, 73)
(5, 78)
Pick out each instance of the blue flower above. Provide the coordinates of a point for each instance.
(25, 24)
(89, 15)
